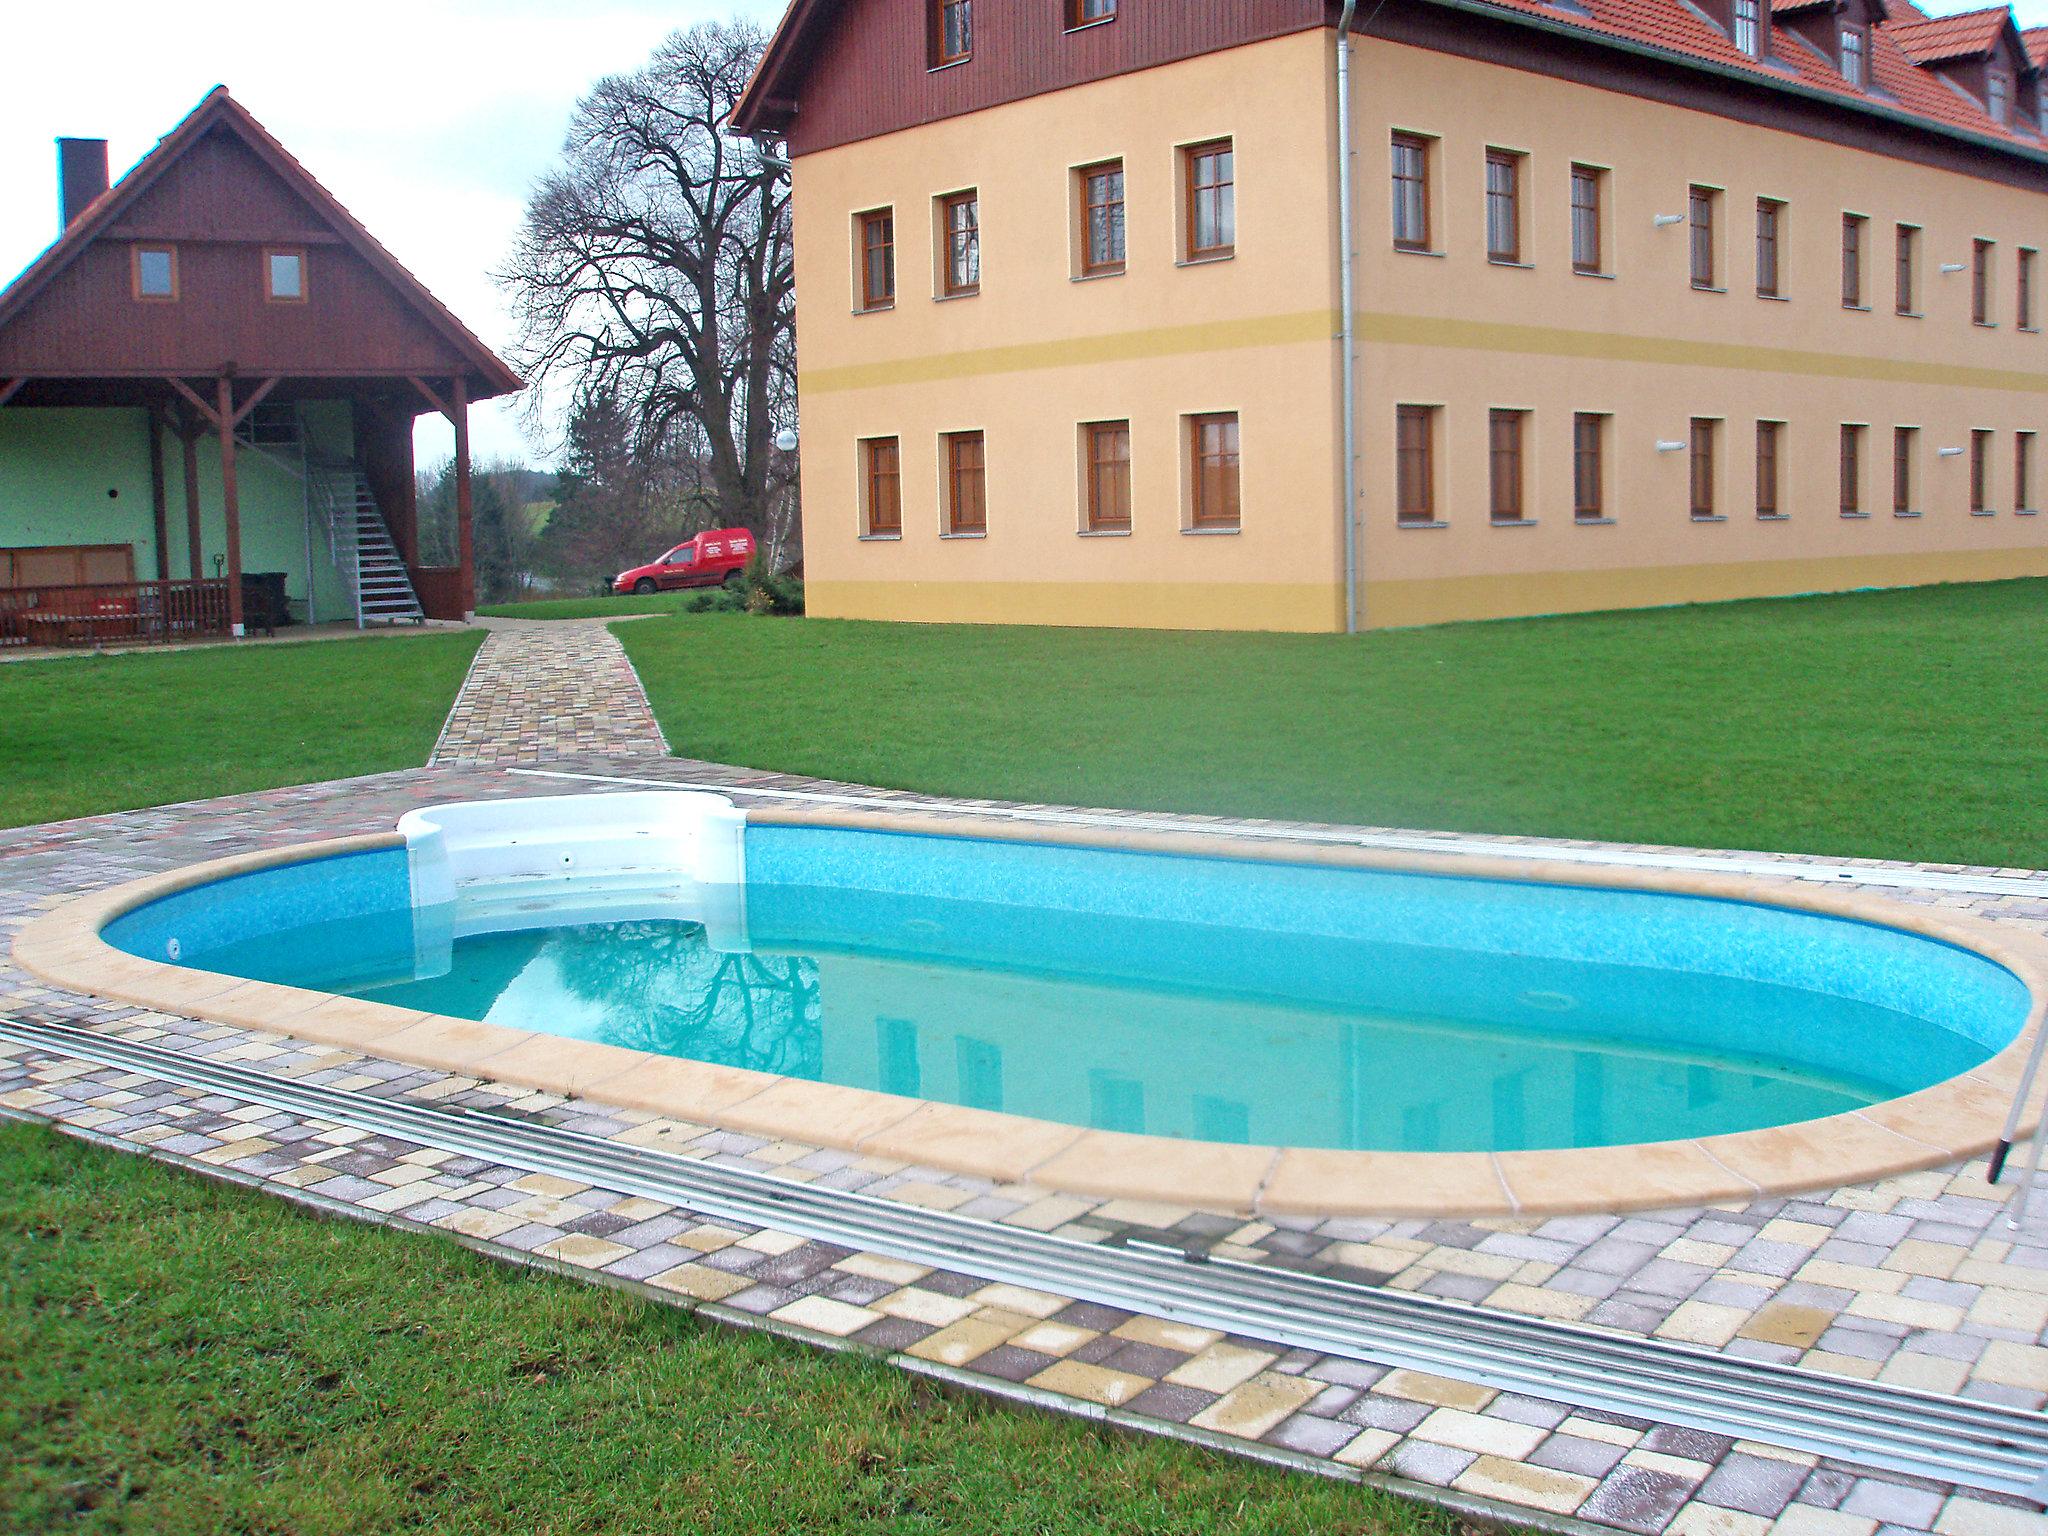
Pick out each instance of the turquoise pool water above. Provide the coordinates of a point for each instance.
(1189, 997)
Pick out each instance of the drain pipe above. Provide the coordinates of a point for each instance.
(1349, 346)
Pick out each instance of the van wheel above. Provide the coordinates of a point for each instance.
(643, 586)
(734, 580)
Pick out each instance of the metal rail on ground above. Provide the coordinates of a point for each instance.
(1952, 1440)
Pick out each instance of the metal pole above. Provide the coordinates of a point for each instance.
(1350, 339)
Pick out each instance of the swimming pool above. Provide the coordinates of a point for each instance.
(1156, 992)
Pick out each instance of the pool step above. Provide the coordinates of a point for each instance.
(1894, 1429)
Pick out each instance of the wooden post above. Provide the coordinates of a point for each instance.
(230, 496)
(159, 501)
(188, 433)
(465, 545)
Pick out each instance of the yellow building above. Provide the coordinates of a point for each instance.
(1650, 303)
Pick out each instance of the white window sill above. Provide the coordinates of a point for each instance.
(1103, 533)
(1711, 517)
(2026, 511)
(1707, 288)
(948, 298)
(1211, 532)
(1985, 512)
(1909, 314)
(881, 538)
(1905, 514)
(977, 533)
(1857, 309)
(1774, 517)
(1207, 261)
(1502, 261)
(1775, 298)
(1593, 522)
(1605, 277)
(1511, 522)
(874, 309)
(1857, 517)
(1398, 523)
(1415, 250)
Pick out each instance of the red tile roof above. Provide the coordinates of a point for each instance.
(1966, 36)
(2035, 40)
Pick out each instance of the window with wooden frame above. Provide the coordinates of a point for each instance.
(952, 38)
(1748, 34)
(959, 245)
(1996, 90)
(1589, 467)
(1702, 476)
(875, 252)
(1086, 13)
(1853, 227)
(1853, 47)
(1701, 204)
(1588, 185)
(2023, 290)
(1106, 476)
(2023, 471)
(284, 274)
(155, 273)
(966, 483)
(881, 463)
(1503, 205)
(1980, 282)
(1980, 470)
(1415, 463)
(1505, 430)
(1213, 470)
(1767, 435)
(1770, 223)
(1851, 472)
(1905, 449)
(1411, 156)
(1209, 191)
(1906, 287)
(1102, 218)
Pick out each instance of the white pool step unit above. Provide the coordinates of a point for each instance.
(487, 866)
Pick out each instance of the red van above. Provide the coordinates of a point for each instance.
(715, 556)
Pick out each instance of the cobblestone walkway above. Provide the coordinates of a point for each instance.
(543, 690)
(1914, 1281)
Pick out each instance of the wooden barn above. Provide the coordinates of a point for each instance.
(208, 387)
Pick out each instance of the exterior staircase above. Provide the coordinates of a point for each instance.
(383, 586)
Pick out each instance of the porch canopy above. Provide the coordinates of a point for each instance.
(217, 281)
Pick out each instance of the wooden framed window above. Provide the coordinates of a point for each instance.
(1767, 433)
(155, 273)
(1906, 287)
(881, 461)
(1980, 281)
(1503, 205)
(1589, 467)
(1102, 218)
(1905, 445)
(1748, 35)
(1851, 475)
(960, 245)
(1213, 465)
(1411, 192)
(1209, 189)
(1853, 226)
(1588, 183)
(1702, 477)
(1701, 203)
(1980, 470)
(952, 25)
(1770, 220)
(1853, 45)
(1086, 13)
(1106, 472)
(1415, 463)
(966, 483)
(2023, 290)
(875, 237)
(284, 274)
(1504, 434)
(1996, 89)
(2023, 471)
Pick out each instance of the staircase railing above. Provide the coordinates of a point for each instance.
(332, 486)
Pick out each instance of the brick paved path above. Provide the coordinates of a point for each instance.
(540, 690)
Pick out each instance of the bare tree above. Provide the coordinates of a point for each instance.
(655, 265)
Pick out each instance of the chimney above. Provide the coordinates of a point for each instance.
(81, 174)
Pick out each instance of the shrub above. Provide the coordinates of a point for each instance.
(765, 592)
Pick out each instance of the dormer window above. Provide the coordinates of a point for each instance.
(952, 32)
(1996, 91)
(1852, 56)
(1746, 28)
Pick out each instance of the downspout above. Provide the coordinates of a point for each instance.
(1346, 330)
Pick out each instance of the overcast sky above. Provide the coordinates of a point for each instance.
(429, 119)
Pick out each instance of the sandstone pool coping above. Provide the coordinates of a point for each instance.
(1936, 1127)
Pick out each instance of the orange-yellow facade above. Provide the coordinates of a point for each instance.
(1039, 351)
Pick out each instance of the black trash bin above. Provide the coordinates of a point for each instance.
(263, 604)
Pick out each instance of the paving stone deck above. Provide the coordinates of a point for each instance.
(1915, 1280)
(543, 690)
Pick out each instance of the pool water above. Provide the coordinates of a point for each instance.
(1200, 998)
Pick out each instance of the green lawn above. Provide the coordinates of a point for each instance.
(593, 607)
(1897, 724)
(81, 735)
(176, 1356)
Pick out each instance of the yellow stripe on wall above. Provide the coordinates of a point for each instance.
(1404, 330)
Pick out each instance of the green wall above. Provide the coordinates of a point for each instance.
(57, 468)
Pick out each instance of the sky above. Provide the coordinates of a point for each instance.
(429, 119)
